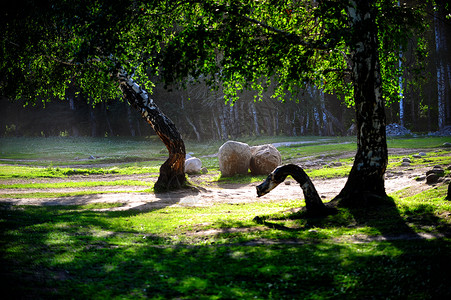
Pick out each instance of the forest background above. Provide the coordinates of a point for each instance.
(201, 113)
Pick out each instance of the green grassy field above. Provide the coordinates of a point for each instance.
(220, 251)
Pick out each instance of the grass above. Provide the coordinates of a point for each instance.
(71, 184)
(38, 195)
(416, 143)
(78, 252)
(220, 251)
(433, 158)
(10, 172)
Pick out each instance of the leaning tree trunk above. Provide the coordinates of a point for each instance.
(365, 183)
(172, 172)
(313, 202)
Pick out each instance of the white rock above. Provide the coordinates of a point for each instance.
(193, 165)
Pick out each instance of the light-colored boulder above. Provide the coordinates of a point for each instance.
(234, 158)
(265, 159)
(193, 165)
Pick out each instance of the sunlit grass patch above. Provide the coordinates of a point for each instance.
(329, 172)
(426, 211)
(76, 184)
(439, 157)
(8, 172)
(416, 143)
(44, 195)
(49, 172)
(300, 151)
(73, 148)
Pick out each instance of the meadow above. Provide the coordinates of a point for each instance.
(260, 249)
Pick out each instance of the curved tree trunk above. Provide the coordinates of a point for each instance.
(365, 183)
(313, 202)
(172, 172)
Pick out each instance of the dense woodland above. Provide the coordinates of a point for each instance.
(201, 113)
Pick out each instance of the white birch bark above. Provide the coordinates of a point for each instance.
(401, 95)
(255, 118)
(439, 45)
(196, 132)
(400, 84)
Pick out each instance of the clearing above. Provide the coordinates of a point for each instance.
(207, 190)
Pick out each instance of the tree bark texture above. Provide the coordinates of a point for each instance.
(172, 172)
(313, 202)
(442, 66)
(366, 180)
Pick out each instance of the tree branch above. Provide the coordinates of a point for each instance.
(338, 71)
(61, 61)
(293, 38)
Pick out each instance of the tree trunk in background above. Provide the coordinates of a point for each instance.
(196, 132)
(413, 116)
(401, 95)
(255, 118)
(442, 65)
(448, 100)
(218, 129)
(172, 172)
(107, 119)
(365, 184)
(222, 120)
(70, 95)
(92, 121)
(400, 85)
(130, 121)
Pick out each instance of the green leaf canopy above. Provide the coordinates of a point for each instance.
(47, 46)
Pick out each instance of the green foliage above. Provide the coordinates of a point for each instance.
(103, 250)
(239, 44)
(90, 251)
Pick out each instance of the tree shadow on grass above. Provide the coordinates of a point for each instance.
(385, 219)
(68, 252)
(187, 195)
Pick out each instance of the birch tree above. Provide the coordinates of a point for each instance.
(443, 64)
(346, 47)
(343, 46)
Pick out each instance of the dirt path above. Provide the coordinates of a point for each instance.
(133, 197)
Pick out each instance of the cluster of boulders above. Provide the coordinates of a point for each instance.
(406, 161)
(237, 158)
(397, 130)
(432, 176)
(445, 131)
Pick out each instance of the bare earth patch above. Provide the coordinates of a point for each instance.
(202, 194)
(132, 198)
